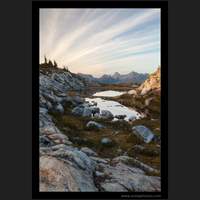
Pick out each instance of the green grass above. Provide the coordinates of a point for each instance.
(120, 134)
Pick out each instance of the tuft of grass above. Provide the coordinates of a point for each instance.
(148, 155)
(120, 133)
(70, 121)
(72, 93)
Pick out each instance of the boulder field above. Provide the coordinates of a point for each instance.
(66, 168)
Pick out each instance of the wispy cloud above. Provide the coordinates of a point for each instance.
(99, 41)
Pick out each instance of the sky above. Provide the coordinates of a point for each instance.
(101, 41)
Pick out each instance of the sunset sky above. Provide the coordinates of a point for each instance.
(101, 41)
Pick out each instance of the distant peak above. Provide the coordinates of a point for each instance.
(116, 75)
(106, 75)
(132, 72)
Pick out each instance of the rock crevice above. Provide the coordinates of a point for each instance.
(64, 167)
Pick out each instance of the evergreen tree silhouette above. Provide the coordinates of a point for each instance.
(45, 59)
(50, 63)
(55, 64)
(66, 68)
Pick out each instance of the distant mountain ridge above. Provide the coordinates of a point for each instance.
(132, 77)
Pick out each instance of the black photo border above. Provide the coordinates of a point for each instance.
(163, 5)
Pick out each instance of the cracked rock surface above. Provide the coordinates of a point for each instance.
(64, 167)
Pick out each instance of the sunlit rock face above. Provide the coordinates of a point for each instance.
(152, 83)
(132, 92)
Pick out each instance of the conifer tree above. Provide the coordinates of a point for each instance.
(55, 64)
(50, 63)
(45, 59)
(66, 68)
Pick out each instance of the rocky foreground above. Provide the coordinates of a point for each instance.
(64, 167)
